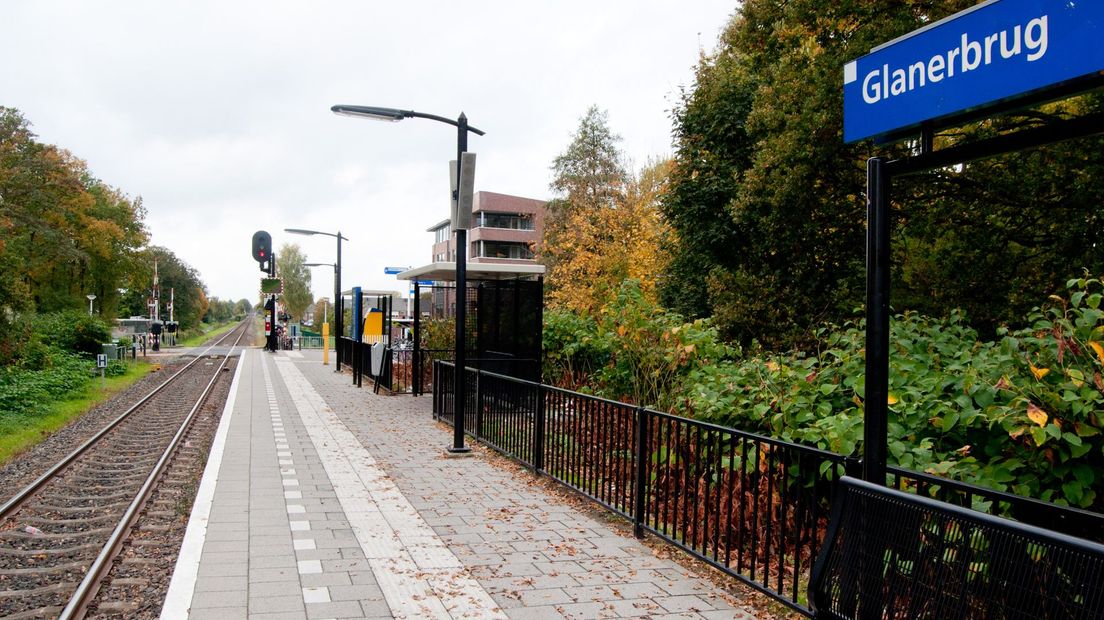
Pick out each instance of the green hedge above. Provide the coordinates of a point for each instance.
(1023, 413)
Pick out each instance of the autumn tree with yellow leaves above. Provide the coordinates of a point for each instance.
(605, 225)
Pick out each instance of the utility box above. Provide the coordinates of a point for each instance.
(111, 351)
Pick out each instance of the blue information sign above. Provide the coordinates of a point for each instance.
(996, 51)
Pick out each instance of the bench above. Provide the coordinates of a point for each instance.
(890, 554)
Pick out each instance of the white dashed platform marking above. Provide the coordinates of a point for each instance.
(418, 574)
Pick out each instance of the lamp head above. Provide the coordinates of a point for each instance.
(371, 112)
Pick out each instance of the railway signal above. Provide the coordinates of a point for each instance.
(262, 249)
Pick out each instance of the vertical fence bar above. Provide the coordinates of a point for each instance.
(731, 505)
(640, 473)
(538, 432)
(478, 404)
(770, 516)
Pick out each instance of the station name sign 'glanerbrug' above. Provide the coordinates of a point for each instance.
(996, 51)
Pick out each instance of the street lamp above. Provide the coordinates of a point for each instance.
(325, 316)
(90, 298)
(462, 129)
(338, 305)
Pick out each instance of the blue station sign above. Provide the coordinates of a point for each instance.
(994, 52)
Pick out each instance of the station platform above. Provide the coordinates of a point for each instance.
(322, 500)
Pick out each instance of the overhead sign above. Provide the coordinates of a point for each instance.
(394, 270)
(994, 52)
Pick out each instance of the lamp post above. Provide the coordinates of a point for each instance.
(462, 129)
(325, 316)
(338, 310)
(90, 298)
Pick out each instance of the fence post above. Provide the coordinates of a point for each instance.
(436, 392)
(478, 404)
(538, 433)
(640, 471)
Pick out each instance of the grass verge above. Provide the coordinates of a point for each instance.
(20, 433)
(198, 338)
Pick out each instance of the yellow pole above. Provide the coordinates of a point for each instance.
(325, 344)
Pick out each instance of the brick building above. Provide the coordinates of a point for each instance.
(505, 229)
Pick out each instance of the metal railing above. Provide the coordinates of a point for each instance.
(752, 506)
(1071, 521)
(749, 505)
(310, 342)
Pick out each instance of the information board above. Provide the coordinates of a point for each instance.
(995, 52)
(272, 286)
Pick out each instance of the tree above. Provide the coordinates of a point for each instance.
(323, 311)
(190, 302)
(767, 202)
(290, 266)
(605, 226)
(67, 233)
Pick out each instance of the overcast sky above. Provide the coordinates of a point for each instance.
(217, 112)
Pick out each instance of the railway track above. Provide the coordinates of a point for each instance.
(60, 536)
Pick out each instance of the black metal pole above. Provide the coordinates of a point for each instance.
(416, 360)
(875, 421)
(461, 296)
(273, 341)
(339, 306)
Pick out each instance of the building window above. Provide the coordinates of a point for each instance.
(504, 220)
(502, 249)
(443, 233)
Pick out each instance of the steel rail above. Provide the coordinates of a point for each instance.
(17, 500)
(89, 586)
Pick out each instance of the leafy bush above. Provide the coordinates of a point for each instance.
(651, 351)
(573, 351)
(72, 331)
(634, 351)
(1023, 413)
(26, 392)
(439, 334)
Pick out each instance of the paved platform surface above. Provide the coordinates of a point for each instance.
(321, 500)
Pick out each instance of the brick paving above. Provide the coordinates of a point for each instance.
(333, 502)
(534, 553)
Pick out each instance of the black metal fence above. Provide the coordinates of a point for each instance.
(755, 507)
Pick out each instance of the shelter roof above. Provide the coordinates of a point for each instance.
(446, 271)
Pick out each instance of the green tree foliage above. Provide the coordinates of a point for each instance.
(66, 233)
(323, 311)
(291, 267)
(768, 203)
(220, 311)
(63, 233)
(188, 291)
